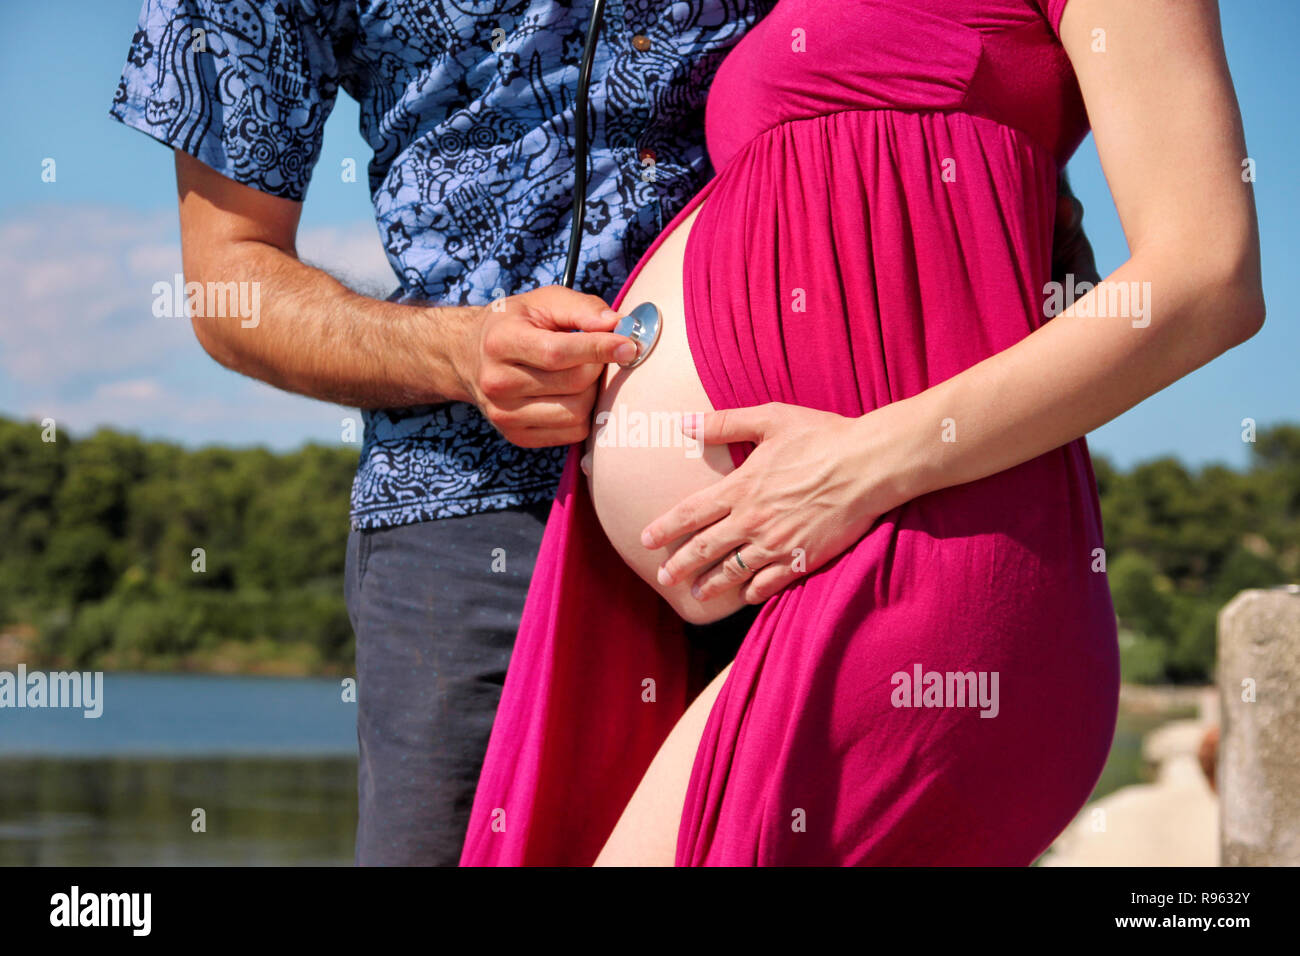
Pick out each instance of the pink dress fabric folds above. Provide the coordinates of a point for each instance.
(945, 692)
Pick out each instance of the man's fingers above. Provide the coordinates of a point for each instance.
(568, 381)
(563, 309)
(553, 351)
(538, 379)
(603, 321)
(550, 437)
(522, 422)
(507, 384)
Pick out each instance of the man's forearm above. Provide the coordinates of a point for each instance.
(316, 337)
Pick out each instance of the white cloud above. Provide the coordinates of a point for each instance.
(79, 341)
(353, 255)
(136, 390)
(247, 411)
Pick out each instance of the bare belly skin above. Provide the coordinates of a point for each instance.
(640, 462)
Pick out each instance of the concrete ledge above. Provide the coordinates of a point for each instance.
(1259, 755)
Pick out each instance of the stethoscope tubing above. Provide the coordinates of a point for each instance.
(644, 323)
(581, 146)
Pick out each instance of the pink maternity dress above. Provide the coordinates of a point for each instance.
(881, 220)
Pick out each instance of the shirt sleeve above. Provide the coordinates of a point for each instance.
(244, 86)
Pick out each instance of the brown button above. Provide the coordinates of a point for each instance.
(640, 43)
(647, 155)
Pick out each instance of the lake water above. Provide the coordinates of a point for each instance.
(270, 761)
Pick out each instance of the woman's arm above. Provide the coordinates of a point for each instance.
(1169, 135)
(1168, 131)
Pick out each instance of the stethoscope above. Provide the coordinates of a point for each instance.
(644, 323)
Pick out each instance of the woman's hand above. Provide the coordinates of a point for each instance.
(812, 487)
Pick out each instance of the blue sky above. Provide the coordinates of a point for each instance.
(78, 256)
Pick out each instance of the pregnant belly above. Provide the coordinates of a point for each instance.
(640, 463)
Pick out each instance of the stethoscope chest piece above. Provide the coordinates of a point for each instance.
(642, 325)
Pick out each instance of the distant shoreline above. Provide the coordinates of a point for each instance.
(20, 644)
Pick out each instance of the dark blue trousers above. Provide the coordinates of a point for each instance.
(435, 607)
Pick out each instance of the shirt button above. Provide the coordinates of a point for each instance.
(647, 155)
(640, 43)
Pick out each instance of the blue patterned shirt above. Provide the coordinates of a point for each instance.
(469, 108)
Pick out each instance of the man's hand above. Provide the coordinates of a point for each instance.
(530, 375)
(517, 359)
